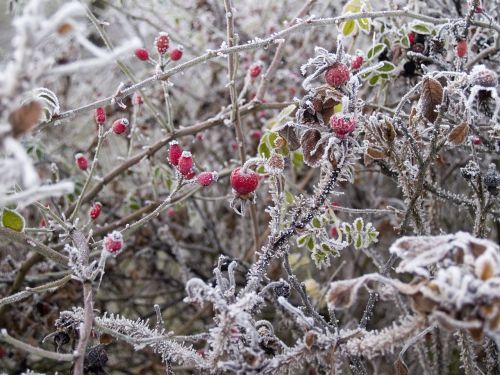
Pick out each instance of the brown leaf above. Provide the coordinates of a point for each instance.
(375, 153)
(400, 366)
(25, 117)
(313, 152)
(431, 97)
(413, 113)
(287, 131)
(458, 135)
(389, 132)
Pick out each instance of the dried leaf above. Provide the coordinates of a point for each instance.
(313, 152)
(431, 97)
(389, 132)
(25, 117)
(375, 153)
(413, 113)
(342, 294)
(400, 366)
(287, 131)
(459, 134)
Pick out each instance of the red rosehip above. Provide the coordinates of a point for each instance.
(334, 232)
(256, 134)
(206, 178)
(137, 99)
(337, 75)
(190, 175)
(95, 210)
(113, 243)
(477, 141)
(142, 54)
(171, 212)
(176, 54)
(357, 62)
(174, 153)
(342, 126)
(255, 70)
(411, 37)
(100, 115)
(120, 126)
(161, 42)
(185, 163)
(461, 48)
(81, 161)
(244, 183)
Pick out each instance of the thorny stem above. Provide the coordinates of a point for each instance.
(100, 137)
(81, 244)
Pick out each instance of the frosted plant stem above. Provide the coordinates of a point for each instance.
(100, 137)
(5, 337)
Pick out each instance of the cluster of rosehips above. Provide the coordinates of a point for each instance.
(183, 161)
(162, 43)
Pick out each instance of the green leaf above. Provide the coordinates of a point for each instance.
(12, 220)
(348, 27)
(288, 197)
(373, 80)
(326, 248)
(359, 224)
(405, 42)
(364, 24)
(263, 150)
(316, 223)
(310, 243)
(285, 114)
(375, 51)
(301, 241)
(387, 67)
(358, 241)
(353, 6)
(260, 170)
(297, 159)
(422, 28)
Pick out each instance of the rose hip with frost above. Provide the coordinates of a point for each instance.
(113, 243)
(142, 54)
(95, 210)
(161, 43)
(342, 126)
(207, 178)
(81, 161)
(337, 75)
(120, 126)
(100, 115)
(174, 153)
(255, 70)
(176, 54)
(244, 183)
(357, 62)
(185, 163)
(461, 48)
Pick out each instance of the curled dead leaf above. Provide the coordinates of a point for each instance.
(288, 133)
(459, 134)
(375, 153)
(389, 132)
(312, 149)
(430, 98)
(25, 117)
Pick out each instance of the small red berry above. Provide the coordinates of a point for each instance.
(334, 232)
(461, 48)
(81, 161)
(255, 70)
(100, 115)
(174, 153)
(411, 37)
(161, 42)
(113, 243)
(256, 134)
(337, 75)
(185, 163)
(137, 99)
(244, 183)
(142, 54)
(342, 126)
(357, 62)
(206, 178)
(171, 212)
(477, 141)
(176, 54)
(190, 175)
(120, 126)
(95, 211)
